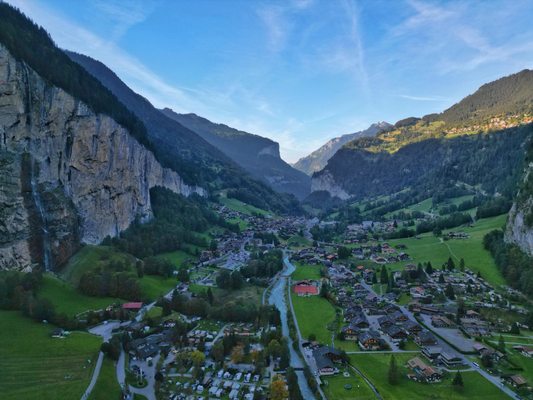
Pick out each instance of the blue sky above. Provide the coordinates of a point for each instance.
(297, 71)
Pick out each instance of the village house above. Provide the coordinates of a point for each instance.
(422, 371)
(306, 288)
(432, 352)
(370, 340)
(451, 360)
(517, 381)
(325, 358)
(524, 350)
(425, 338)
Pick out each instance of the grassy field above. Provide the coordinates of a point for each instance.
(238, 205)
(177, 257)
(375, 367)
(107, 386)
(88, 258)
(66, 299)
(305, 272)
(334, 388)
(154, 286)
(298, 241)
(34, 365)
(242, 223)
(430, 248)
(313, 314)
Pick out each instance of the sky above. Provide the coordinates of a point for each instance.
(297, 71)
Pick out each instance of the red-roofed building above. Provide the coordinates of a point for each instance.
(305, 289)
(133, 306)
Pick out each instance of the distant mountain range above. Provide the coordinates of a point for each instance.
(258, 155)
(479, 141)
(318, 159)
(203, 151)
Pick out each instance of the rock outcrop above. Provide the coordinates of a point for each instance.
(326, 182)
(67, 175)
(518, 231)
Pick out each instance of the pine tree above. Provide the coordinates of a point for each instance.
(394, 373)
(429, 268)
(501, 344)
(384, 276)
(462, 265)
(210, 297)
(449, 292)
(457, 382)
(450, 264)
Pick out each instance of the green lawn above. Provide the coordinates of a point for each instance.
(313, 314)
(154, 312)
(375, 367)
(476, 257)
(34, 365)
(238, 205)
(88, 258)
(304, 271)
(430, 248)
(334, 388)
(107, 387)
(66, 299)
(239, 221)
(154, 286)
(521, 361)
(298, 241)
(423, 206)
(177, 257)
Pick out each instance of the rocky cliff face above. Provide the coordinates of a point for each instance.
(66, 174)
(326, 182)
(518, 231)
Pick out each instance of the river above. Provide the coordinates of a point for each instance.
(277, 298)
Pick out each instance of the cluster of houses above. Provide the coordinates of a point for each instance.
(356, 233)
(145, 348)
(361, 304)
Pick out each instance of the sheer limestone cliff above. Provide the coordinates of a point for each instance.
(519, 229)
(66, 175)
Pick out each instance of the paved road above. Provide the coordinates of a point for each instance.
(446, 347)
(121, 370)
(291, 267)
(149, 390)
(96, 372)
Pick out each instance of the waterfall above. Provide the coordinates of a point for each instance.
(47, 248)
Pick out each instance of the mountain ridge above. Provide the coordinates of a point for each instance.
(318, 159)
(258, 155)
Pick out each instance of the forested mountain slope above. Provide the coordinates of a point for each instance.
(258, 155)
(183, 150)
(480, 141)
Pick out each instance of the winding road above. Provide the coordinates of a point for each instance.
(94, 378)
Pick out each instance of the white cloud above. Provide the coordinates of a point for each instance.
(122, 15)
(423, 98)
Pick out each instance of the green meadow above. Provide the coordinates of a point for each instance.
(375, 367)
(34, 365)
(66, 299)
(430, 248)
